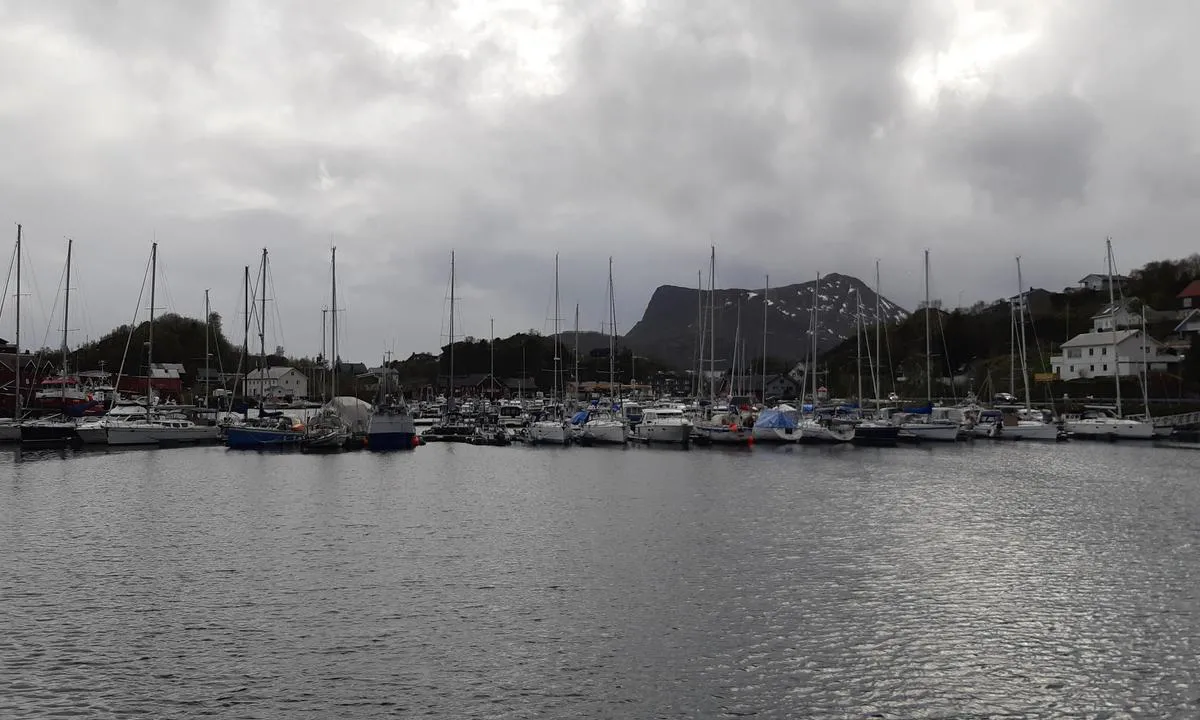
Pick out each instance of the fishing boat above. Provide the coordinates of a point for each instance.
(391, 425)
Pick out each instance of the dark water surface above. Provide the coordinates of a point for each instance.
(972, 581)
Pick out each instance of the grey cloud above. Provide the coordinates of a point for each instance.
(786, 133)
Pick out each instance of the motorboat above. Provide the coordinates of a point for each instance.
(663, 425)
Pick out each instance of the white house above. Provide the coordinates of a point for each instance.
(1096, 281)
(1092, 354)
(1115, 317)
(276, 382)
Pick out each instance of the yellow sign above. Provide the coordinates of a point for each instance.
(1044, 377)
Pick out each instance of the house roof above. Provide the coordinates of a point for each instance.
(1123, 305)
(1097, 339)
(273, 373)
(1192, 290)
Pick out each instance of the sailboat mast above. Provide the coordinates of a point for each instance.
(766, 296)
(150, 331)
(712, 326)
(207, 352)
(492, 359)
(333, 333)
(17, 364)
(1012, 353)
(612, 338)
(928, 337)
(262, 330)
(66, 316)
(1112, 305)
(558, 359)
(576, 351)
(858, 343)
(451, 376)
(1145, 367)
(816, 326)
(244, 368)
(697, 387)
(324, 355)
(1021, 331)
(878, 317)
(737, 346)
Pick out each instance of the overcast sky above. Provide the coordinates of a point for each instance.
(797, 136)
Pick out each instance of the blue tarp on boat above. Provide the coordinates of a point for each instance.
(775, 419)
(580, 417)
(926, 409)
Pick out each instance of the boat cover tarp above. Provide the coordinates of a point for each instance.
(355, 413)
(580, 417)
(775, 419)
(926, 409)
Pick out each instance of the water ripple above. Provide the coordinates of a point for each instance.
(972, 581)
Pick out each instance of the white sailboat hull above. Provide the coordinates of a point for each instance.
(548, 433)
(932, 432)
(815, 433)
(604, 431)
(92, 433)
(130, 434)
(1028, 430)
(1110, 428)
(775, 435)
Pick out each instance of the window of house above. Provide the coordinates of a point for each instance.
(1091, 351)
(1074, 353)
(1187, 302)
(1106, 368)
(1093, 367)
(1103, 351)
(1072, 368)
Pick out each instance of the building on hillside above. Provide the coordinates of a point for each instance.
(1189, 297)
(1188, 326)
(1098, 282)
(1092, 354)
(354, 368)
(276, 383)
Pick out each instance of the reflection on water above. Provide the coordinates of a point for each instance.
(506, 582)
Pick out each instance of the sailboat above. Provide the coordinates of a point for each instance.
(1109, 423)
(268, 430)
(723, 428)
(154, 427)
(920, 422)
(10, 428)
(329, 430)
(451, 426)
(1026, 424)
(814, 429)
(56, 431)
(604, 424)
(553, 428)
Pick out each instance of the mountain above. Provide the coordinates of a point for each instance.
(667, 330)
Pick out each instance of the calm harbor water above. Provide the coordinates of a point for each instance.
(457, 581)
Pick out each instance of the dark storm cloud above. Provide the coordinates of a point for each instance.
(797, 137)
